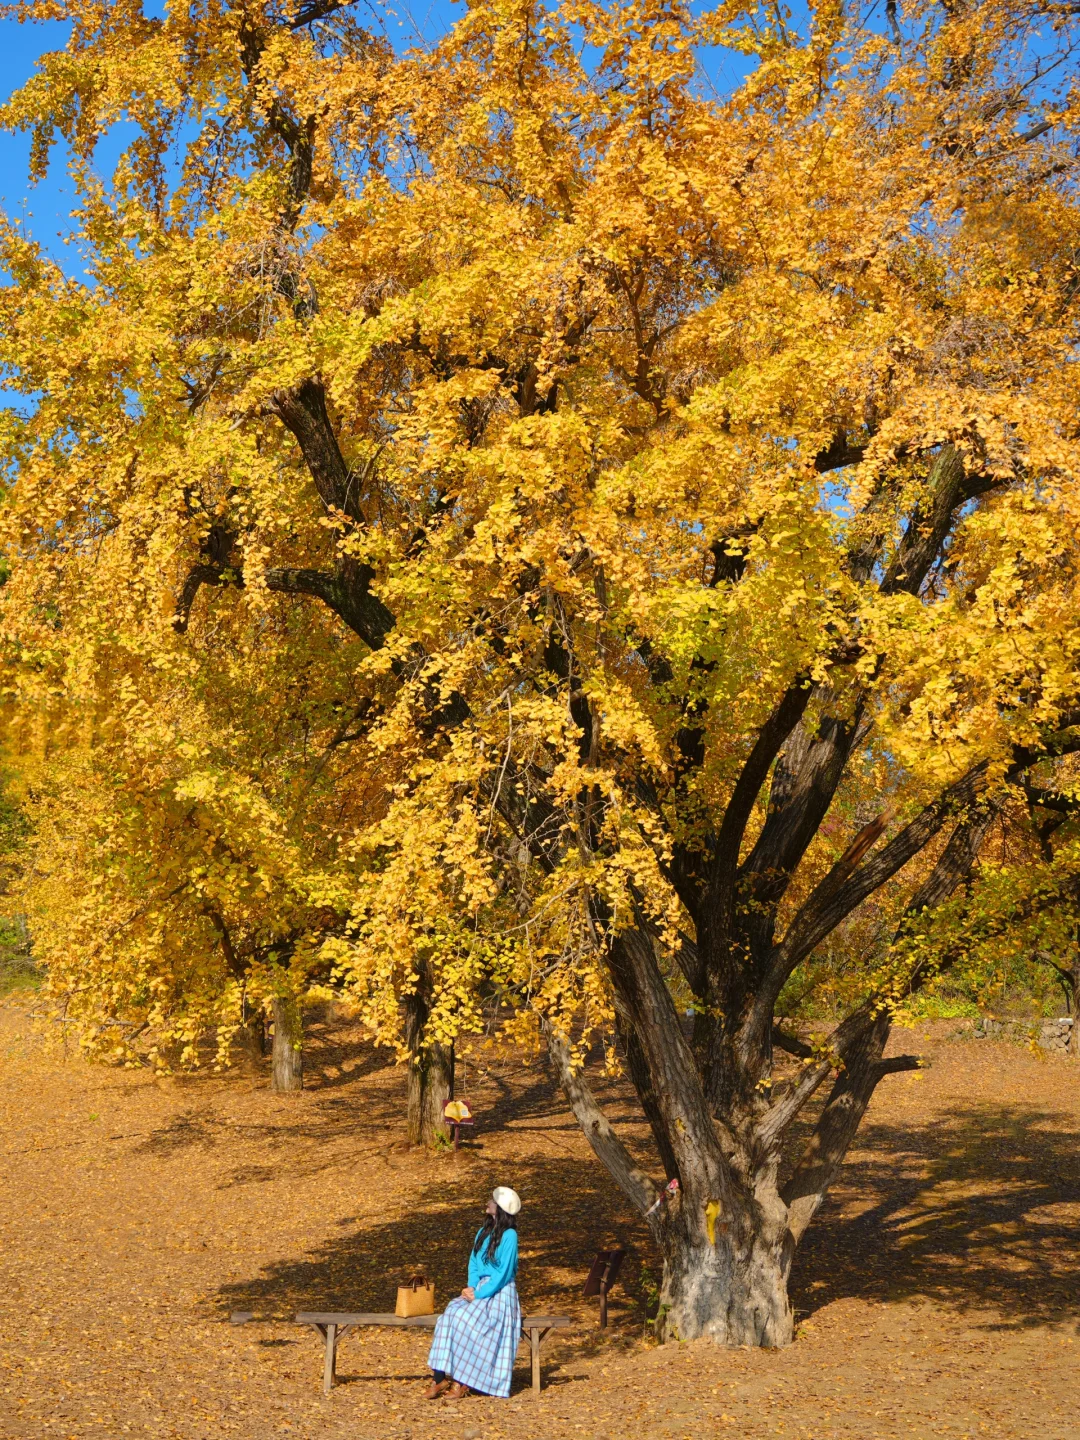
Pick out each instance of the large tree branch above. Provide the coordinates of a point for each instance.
(791, 1044)
(929, 524)
(839, 453)
(610, 1150)
(200, 575)
(346, 594)
(838, 1122)
(990, 927)
(1052, 800)
(238, 967)
(804, 783)
(787, 1105)
(1053, 746)
(316, 10)
(726, 846)
(638, 1068)
(836, 897)
(860, 1042)
(304, 414)
(643, 997)
(811, 768)
(897, 1064)
(954, 863)
(841, 892)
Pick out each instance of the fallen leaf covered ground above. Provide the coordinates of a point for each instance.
(937, 1295)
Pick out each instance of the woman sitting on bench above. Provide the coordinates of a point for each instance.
(476, 1337)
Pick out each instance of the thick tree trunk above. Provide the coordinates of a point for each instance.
(287, 1061)
(725, 1260)
(731, 1292)
(431, 1077)
(728, 1235)
(431, 1083)
(642, 1081)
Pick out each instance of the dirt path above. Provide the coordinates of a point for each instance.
(938, 1295)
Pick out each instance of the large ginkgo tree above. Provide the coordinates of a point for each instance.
(693, 480)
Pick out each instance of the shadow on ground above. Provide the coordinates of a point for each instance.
(979, 1209)
(976, 1207)
(570, 1209)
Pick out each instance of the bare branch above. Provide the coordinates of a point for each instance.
(316, 10)
(897, 1063)
(791, 1044)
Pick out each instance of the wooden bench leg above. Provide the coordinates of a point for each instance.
(332, 1335)
(330, 1362)
(536, 1339)
(534, 1346)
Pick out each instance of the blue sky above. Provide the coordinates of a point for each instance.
(43, 209)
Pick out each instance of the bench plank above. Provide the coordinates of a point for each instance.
(342, 1317)
(333, 1325)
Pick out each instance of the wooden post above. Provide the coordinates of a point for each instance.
(534, 1342)
(330, 1364)
(602, 1276)
(605, 1284)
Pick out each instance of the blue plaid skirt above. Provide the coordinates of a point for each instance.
(476, 1341)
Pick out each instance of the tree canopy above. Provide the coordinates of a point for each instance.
(673, 495)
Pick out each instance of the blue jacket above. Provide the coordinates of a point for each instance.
(488, 1277)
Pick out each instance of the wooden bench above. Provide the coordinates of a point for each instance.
(332, 1325)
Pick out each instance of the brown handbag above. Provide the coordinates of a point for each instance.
(415, 1298)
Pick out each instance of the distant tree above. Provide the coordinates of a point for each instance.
(1018, 922)
(183, 874)
(17, 964)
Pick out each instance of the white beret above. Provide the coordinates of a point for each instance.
(506, 1199)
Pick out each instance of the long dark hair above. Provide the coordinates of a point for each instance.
(493, 1229)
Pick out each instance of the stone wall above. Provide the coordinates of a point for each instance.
(1050, 1034)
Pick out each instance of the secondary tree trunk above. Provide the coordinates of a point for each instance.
(431, 1077)
(1074, 1007)
(252, 1035)
(287, 1061)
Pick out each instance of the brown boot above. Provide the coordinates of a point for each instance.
(457, 1391)
(436, 1388)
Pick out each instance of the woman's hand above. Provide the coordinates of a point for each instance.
(468, 1293)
